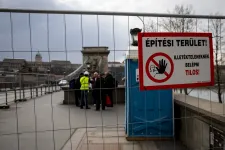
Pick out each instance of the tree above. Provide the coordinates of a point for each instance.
(151, 26)
(175, 24)
(179, 24)
(216, 26)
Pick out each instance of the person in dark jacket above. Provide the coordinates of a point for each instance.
(77, 90)
(109, 86)
(100, 92)
(94, 92)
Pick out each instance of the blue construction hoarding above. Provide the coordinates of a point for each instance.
(148, 113)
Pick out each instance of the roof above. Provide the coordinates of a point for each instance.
(60, 62)
(38, 55)
(13, 60)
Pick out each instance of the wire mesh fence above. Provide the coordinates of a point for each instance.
(40, 48)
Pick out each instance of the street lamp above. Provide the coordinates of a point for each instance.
(134, 33)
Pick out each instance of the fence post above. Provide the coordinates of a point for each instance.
(45, 89)
(6, 106)
(31, 92)
(15, 95)
(20, 85)
(23, 93)
(41, 90)
(36, 91)
(6, 98)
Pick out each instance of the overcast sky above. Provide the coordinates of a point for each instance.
(90, 33)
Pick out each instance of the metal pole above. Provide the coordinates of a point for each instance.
(6, 98)
(48, 83)
(23, 93)
(37, 80)
(36, 91)
(20, 85)
(41, 90)
(31, 92)
(15, 94)
(109, 13)
(55, 86)
(37, 85)
(23, 87)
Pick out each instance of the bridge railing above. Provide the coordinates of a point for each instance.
(10, 96)
(19, 86)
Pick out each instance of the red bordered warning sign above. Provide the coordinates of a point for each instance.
(159, 68)
(175, 60)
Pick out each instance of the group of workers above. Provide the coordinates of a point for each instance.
(101, 85)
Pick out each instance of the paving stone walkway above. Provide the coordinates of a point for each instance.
(114, 138)
(100, 139)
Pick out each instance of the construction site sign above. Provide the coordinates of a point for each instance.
(175, 60)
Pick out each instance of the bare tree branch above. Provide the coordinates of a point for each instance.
(179, 24)
(151, 26)
(217, 27)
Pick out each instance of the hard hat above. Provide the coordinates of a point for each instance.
(86, 73)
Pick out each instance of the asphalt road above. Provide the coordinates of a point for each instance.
(45, 124)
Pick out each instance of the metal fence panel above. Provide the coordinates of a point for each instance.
(42, 122)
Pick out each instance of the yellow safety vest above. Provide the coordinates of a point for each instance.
(84, 81)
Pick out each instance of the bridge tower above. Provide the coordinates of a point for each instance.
(95, 59)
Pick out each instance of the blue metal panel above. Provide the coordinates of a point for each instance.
(128, 93)
(126, 114)
(148, 113)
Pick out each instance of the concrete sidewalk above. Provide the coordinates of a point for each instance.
(44, 123)
(100, 139)
(114, 138)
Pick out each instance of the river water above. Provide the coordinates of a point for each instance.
(207, 94)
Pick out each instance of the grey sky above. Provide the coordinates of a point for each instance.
(21, 30)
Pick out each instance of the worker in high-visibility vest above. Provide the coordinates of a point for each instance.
(84, 81)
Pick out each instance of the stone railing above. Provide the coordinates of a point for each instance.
(69, 95)
(199, 123)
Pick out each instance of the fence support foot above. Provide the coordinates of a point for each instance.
(48, 92)
(4, 107)
(20, 100)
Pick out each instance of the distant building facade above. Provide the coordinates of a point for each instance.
(57, 67)
(117, 70)
(12, 65)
